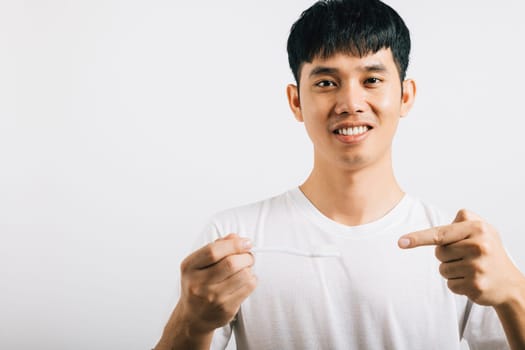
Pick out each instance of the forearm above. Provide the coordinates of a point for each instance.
(512, 317)
(177, 335)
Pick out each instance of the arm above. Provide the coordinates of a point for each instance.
(215, 280)
(475, 264)
(512, 317)
(178, 334)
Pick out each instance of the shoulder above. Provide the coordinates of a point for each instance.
(245, 217)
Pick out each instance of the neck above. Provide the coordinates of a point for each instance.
(353, 197)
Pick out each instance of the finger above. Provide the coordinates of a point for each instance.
(225, 268)
(216, 251)
(455, 269)
(240, 285)
(458, 286)
(467, 248)
(239, 280)
(239, 293)
(439, 235)
(447, 253)
(218, 293)
(226, 297)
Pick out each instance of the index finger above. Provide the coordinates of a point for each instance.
(214, 252)
(439, 235)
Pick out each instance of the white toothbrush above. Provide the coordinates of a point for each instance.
(326, 251)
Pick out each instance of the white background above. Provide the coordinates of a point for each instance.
(124, 125)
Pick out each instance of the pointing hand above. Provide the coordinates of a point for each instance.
(473, 259)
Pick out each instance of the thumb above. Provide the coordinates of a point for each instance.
(228, 236)
(466, 215)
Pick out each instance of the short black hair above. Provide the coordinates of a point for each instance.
(355, 27)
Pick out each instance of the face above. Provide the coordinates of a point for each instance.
(351, 107)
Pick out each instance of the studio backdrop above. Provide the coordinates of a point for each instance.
(125, 125)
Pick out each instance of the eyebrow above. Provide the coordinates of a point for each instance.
(321, 70)
(374, 67)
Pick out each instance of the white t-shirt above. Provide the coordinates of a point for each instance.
(373, 296)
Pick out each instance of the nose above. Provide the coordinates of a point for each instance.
(350, 100)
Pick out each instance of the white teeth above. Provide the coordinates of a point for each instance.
(356, 130)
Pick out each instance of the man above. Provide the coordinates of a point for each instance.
(369, 289)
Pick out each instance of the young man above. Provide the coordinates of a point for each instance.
(370, 289)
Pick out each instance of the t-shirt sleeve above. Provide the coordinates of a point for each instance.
(209, 233)
(483, 329)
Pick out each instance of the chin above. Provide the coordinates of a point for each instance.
(352, 163)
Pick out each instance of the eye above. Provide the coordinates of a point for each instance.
(325, 83)
(372, 81)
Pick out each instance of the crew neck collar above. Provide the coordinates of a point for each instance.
(367, 230)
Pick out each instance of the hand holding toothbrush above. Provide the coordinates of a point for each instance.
(215, 281)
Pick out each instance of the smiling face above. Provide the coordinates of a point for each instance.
(351, 107)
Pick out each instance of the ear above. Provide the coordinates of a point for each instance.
(292, 92)
(408, 97)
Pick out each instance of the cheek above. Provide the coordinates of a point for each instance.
(315, 111)
(315, 116)
(388, 106)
